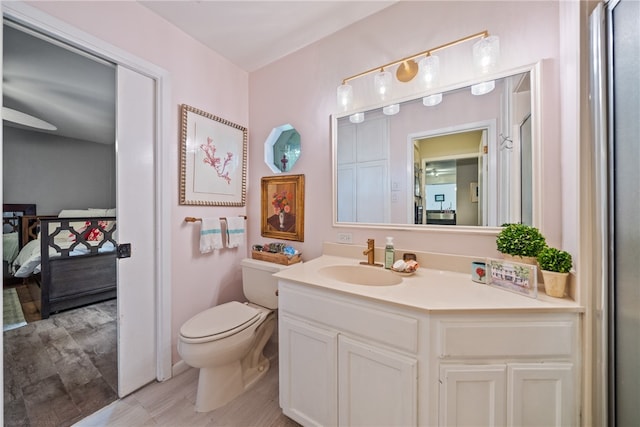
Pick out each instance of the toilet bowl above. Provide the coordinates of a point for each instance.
(226, 342)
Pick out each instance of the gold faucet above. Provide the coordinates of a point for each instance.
(370, 252)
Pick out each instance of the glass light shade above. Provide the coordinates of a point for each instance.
(345, 96)
(356, 118)
(431, 100)
(486, 53)
(392, 109)
(382, 83)
(483, 88)
(429, 70)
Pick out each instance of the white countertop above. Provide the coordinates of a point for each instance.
(429, 290)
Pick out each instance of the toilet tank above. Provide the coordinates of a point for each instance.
(258, 284)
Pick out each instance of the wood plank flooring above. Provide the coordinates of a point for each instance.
(172, 404)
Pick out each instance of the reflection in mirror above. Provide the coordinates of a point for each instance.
(467, 161)
(282, 148)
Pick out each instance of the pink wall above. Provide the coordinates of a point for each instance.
(202, 79)
(300, 90)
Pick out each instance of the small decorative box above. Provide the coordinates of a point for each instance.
(479, 272)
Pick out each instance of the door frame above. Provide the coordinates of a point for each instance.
(34, 18)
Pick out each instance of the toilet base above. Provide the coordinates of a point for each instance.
(220, 385)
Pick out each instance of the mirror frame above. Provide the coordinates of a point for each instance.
(535, 73)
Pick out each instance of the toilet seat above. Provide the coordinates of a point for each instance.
(220, 321)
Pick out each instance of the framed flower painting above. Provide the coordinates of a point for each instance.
(213, 159)
(283, 207)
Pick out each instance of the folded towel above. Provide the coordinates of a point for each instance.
(235, 231)
(210, 235)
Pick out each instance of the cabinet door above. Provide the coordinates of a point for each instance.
(376, 387)
(541, 394)
(308, 372)
(472, 395)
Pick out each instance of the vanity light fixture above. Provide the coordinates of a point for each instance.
(432, 100)
(382, 82)
(356, 118)
(392, 109)
(485, 54)
(483, 88)
(345, 96)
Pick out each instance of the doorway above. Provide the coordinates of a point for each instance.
(135, 77)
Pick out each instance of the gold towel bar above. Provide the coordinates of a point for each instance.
(194, 219)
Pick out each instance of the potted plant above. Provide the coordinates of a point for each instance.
(555, 265)
(520, 242)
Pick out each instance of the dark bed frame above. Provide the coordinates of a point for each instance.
(65, 281)
(72, 281)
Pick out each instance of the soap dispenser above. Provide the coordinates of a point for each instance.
(389, 254)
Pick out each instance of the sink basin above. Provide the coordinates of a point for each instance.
(360, 275)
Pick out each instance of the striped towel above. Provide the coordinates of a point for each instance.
(235, 231)
(210, 235)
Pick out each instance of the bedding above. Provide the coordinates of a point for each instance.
(27, 262)
(10, 246)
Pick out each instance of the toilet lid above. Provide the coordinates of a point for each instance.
(220, 320)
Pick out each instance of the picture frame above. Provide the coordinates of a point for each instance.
(513, 276)
(213, 159)
(283, 207)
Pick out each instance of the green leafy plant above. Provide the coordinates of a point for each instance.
(552, 259)
(520, 240)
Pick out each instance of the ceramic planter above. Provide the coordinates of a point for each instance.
(555, 284)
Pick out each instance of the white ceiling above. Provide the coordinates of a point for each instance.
(59, 86)
(252, 34)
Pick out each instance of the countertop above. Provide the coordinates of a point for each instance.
(429, 290)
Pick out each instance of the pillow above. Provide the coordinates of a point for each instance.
(75, 213)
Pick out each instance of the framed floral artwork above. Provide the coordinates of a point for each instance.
(213, 159)
(283, 207)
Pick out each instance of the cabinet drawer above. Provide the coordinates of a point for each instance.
(369, 321)
(511, 337)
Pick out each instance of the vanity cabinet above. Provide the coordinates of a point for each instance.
(514, 370)
(345, 363)
(348, 360)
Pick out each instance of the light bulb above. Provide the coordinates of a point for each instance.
(431, 100)
(345, 96)
(382, 83)
(483, 88)
(356, 118)
(392, 109)
(486, 53)
(429, 71)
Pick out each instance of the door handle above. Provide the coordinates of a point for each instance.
(123, 250)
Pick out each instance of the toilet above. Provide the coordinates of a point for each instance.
(226, 341)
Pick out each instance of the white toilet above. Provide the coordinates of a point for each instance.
(226, 341)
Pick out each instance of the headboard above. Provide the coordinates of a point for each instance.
(13, 220)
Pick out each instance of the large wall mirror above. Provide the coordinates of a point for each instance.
(468, 161)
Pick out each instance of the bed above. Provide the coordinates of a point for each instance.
(12, 235)
(72, 258)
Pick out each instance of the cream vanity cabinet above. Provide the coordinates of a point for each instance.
(344, 361)
(349, 360)
(513, 370)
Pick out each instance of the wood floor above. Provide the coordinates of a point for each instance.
(172, 403)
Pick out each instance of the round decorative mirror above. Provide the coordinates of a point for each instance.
(282, 148)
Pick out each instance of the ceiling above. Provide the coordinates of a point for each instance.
(58, 85)
(252, 34)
